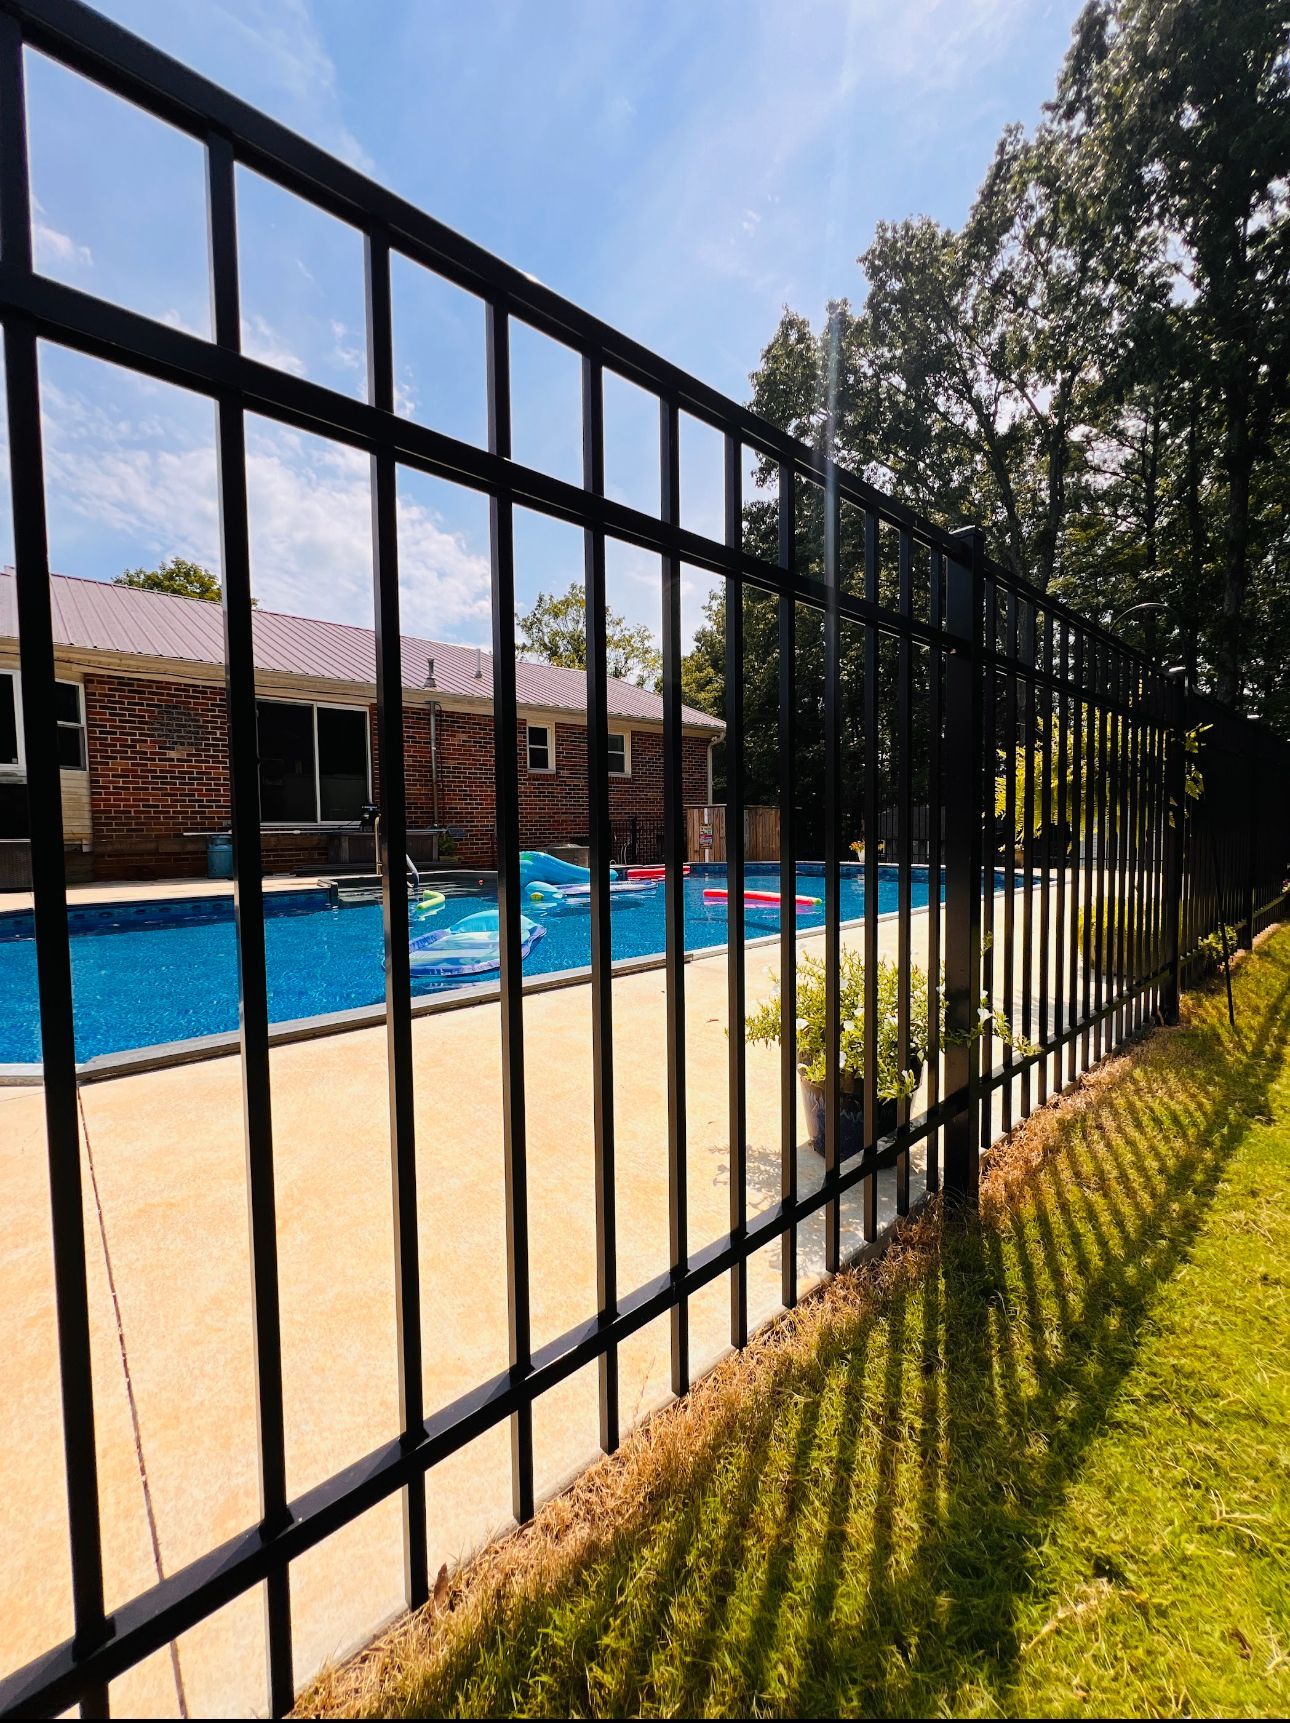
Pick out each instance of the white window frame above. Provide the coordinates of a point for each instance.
(316, 706)
(548, 730)
(626, 737)
(79, 726)
(18, 772)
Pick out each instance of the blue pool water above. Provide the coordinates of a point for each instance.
(148, 973)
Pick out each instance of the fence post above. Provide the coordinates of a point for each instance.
(1176, 814)
(1253, 782)
(965, 779)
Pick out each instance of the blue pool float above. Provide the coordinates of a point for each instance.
(548, 896)
(547, 881)
(470, 947)
(536, 865)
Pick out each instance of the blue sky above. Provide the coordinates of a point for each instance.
(681, 170)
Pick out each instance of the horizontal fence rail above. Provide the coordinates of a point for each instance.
(1094, 826)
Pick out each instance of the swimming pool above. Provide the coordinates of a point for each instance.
(149, 973)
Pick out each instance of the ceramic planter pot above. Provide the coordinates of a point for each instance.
(850, 1114)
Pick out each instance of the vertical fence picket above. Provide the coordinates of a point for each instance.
(600, 847)
(936, 676)
(787, 622)
(966, 780)
(1009, 955)
(737, 1116)
(904, 857)
(832, 874)
(1079, 778)
(872, 767)
(674, 904)
(49, 883)
(1091, 839)
(1044, 818)
(990, 752)
(391, 850)
(506, 774)
(248, 910)
(1028, 624)
(1061, 825)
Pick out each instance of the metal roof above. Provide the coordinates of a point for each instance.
(97, 616)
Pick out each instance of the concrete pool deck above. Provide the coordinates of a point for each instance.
(166, 1232)
(155, 890)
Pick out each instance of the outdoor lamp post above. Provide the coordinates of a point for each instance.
(1186, 632)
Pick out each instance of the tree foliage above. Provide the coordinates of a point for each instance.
(1095, 366)
(555, 630)
(177, 575)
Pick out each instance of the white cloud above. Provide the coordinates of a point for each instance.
(55, 247)
(148, 478)
(282, 40)
(347, 351)
(261, 341)
(721, 190)
(175, 319)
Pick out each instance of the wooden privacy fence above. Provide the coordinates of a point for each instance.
(706, 833)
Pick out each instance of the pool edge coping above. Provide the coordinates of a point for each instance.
(164, 1055)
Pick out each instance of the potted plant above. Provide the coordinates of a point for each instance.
(899, 1068)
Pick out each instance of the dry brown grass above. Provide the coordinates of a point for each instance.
(674, 1449)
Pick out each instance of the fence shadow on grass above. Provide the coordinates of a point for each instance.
(862, 1538)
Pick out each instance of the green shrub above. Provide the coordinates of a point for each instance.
(1209, 949)
(898, 1068)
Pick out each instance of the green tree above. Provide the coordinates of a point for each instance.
(176, 574)
(703, 668)
(1187, 108)
(1096, 365)
(556, 630)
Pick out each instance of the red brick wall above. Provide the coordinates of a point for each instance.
(158, 758)
(553, 805)
(418, 785)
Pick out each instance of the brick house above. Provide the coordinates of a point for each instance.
(143, 738)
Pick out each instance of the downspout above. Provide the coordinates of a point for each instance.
(434, 774)
(434, 761)
(434, 758)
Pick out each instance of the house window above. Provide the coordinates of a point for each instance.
(540, 748)
(620, 754)
(10, 726)
(69, 711)
(69, 704)
(313, 762)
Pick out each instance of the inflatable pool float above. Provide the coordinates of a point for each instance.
(542, 891)
(758, 899)
(550, 870)
(428, 903)
(471, 947)
(653, 872)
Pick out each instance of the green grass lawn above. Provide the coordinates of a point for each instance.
(1039, 1465)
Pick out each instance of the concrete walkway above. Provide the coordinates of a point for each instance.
(166, 1231)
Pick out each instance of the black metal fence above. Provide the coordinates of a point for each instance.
(635, 841)
(1009, 712)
